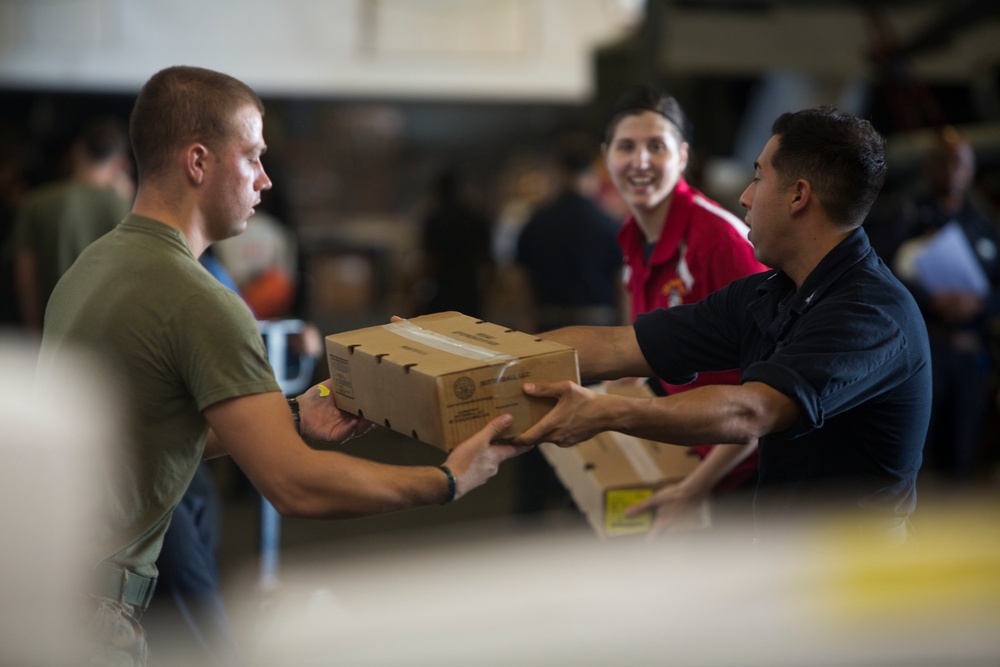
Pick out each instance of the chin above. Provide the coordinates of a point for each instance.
(646, 204)
(237, 229)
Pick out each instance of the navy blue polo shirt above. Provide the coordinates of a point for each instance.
(850, 347)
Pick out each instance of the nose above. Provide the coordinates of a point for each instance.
(264, 180)
(745, 198)
(641, 157)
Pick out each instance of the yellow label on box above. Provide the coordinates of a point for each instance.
(615, 504)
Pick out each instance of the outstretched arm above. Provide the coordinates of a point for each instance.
(258, 432)
(604, 353)
(707, 415)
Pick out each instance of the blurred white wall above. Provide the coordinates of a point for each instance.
(510, 50)
(468, 49)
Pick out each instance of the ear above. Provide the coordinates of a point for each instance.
(684, 152)
(604, 153)
(195, 162)
(801, 195)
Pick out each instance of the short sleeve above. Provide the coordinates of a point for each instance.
(682, 341)
(838, 356)
(219, 348)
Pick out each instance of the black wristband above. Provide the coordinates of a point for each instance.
(452, 484)
(294, 406)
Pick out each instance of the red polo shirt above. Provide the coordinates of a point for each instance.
(702, 248)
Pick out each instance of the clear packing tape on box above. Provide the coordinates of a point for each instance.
(507, 396)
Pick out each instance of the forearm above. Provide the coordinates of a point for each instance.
(604, 353)
(737, 414)
(331, 485)
(259, 433)
(719, 462)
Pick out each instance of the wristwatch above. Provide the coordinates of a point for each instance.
(294, 406)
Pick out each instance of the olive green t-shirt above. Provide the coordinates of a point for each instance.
(173, 341)
(56, 222)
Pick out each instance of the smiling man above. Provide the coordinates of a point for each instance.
(191, 367)
(831, 348)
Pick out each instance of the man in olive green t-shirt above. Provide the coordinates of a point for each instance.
(191, 371)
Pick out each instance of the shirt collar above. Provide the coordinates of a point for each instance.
(675, 226)
(844, 255)
(154, 227)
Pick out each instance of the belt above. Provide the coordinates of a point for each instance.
(117, 583)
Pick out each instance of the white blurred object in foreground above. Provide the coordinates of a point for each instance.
(49, 484)
(819, 597)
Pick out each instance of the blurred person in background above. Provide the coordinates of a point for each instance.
(835, 378)
(264, 266)
(455, 240)
(57, 221)
(679, 246)
(568, 247)
(263, 262)
(570, 270)
(188, 358)
(958, 315)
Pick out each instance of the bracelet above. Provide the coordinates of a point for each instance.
(452, 484)
(294, 406)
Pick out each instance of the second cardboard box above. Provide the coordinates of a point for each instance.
(613, 471)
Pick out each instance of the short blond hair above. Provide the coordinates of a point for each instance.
(180, 105)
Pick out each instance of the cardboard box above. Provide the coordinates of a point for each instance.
(440, 378)
(612, 471)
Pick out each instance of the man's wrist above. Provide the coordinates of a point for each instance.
(452, 484)
(293, 405)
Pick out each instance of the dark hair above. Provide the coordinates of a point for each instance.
(102, 138)
(842, 157)
(641, 98)
(180, 105)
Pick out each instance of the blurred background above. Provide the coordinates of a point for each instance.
(369, 101)
(372, 104)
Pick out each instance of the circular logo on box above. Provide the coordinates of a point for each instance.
(464, 387)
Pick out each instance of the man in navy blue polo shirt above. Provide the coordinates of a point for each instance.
(832, 349)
